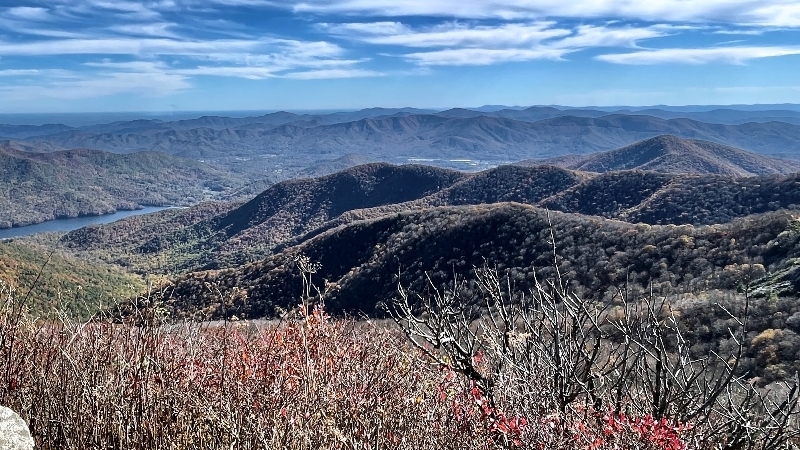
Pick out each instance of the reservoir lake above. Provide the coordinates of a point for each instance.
(70, 224)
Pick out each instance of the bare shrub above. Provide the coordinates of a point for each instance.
(600, 374)
(306, 382)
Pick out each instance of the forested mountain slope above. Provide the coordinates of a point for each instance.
(293, 211)
(671, 154)
(35, 187)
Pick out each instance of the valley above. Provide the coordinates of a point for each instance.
(41, 186)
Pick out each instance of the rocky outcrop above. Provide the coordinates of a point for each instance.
(14, 433)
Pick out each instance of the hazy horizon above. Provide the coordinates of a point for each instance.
(101, 117)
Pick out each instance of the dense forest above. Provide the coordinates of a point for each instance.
(696, 240)
(694, 268)
(220, 235)
(35, 187)
(361, 261)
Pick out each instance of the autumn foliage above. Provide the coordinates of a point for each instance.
(308, 381)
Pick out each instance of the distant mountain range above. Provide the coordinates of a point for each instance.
(44, 185)
(35, 187)
(719, 116)
(283, 145)
(670, 154)
(435, 137)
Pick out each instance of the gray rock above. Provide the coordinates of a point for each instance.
(14, 433)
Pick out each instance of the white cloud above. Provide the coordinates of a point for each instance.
(161, 29)
(332, 73)
(471, 44)
(123, 46)
(756, 12)
(250, 73)
(730, 55)
(130, 9)
(450, 34)
(135, 66)
(256, 52)
(283, 69)
(587, 36)
(18, 72)
(481, 56)
(28, 13)
(741, 32)
(367, 29)
(151, 84)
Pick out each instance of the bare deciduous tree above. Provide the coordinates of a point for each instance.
(549, 350)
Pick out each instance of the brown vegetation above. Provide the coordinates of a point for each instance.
(310, 381)
(289, 213)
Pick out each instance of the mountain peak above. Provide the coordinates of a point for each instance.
(671, 154)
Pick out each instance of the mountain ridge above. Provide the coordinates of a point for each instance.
(438, 243)
(671, 154)
(291, 212)
(432, 136)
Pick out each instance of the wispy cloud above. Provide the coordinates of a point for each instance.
(471, 44)
(449, 34)
(161, 29)
(126, 46)
(151, 84)
(592, 36)
(28, 13)
(18, 72)
(333, 73)
(743, 32)
(90, 48)
(481, 56)
(731, 55)
(766, 12)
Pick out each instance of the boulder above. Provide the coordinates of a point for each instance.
(14, 433)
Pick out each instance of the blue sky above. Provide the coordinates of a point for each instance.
(189, 55)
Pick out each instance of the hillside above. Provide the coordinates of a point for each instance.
(327, 167)
(35, 187)
(291, 212)
(695, 268)
(670, 154)
(67, 284)
(252, 229)
(361, 261)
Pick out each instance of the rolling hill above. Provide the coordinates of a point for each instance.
(35, 187)
(228, 236)
(52, 281)
(671, 154)
(361, 261)
(292, 212)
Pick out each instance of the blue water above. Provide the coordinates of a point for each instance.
(75, 223)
